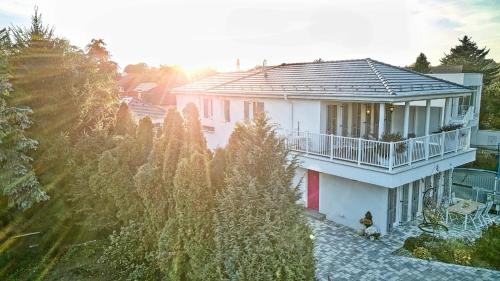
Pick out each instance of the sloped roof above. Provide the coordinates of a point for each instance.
(142, 109)
(351, 78)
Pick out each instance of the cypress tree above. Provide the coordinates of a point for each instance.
(218, 168)
(124, 122)
(421, 64)
(260, 230)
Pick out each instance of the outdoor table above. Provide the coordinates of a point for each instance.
(461, 209)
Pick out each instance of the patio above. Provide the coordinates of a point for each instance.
(342, 254)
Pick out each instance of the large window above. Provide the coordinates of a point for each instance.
(258, 108)
(227, 111)
(207, 108)
(246, 110)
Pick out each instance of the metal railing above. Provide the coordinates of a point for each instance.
(377, 153)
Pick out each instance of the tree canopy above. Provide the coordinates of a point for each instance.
(421, 64)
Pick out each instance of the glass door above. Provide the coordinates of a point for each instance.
(331, 122)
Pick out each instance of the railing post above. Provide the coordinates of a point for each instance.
(331, 147)
(307, 142)
(359, 152)
(391, 156)
(426, 147)
(442, 144)
(456, 139)
(410, 151)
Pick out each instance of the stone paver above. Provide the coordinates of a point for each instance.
(344, 255)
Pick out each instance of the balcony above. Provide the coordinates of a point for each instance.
(379, 154)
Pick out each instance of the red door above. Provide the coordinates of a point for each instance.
(313, 190)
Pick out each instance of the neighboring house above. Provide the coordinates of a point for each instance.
(141, 109)
(333, 116)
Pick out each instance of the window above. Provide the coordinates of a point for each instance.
(227, 111)
(246, 110)
(207, 108)
(258, 108)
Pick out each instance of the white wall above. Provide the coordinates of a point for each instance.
(486, 138)
(301, 177)
(346, 201)
(286, 114)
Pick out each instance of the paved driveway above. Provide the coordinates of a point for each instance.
(344, 255)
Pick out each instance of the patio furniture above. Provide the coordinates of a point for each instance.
(485, 216)
(477, 219)
(463, 208)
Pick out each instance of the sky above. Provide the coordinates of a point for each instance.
(214, 33)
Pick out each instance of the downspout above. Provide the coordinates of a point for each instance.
(285, 97)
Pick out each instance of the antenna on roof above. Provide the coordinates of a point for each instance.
(237, 64)
(264, 66)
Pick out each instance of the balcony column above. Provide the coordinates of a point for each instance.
(447, 111)
(372, 118)
(362, 130)
(349, 119)
(381, 120)
(406, 119)
(427, 116)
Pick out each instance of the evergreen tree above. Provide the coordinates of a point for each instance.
(17, 179)
(124, 124)
(218, 168)
(144, 140)
(194, 134)
(472, 58)
(154, 180)
(421, 64)
(260, 230)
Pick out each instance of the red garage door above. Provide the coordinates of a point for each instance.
(313, 190)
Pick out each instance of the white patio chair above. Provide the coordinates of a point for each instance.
(485, 216)
(476, 219)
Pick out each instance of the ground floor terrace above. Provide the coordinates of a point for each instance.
(346, 201)
(341, 254)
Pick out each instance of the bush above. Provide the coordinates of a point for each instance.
(418, 241)
(422, 253)
(450, 127)
(401, 147)
(462, 256)
(487, 247)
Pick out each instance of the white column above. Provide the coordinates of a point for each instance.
(381, 120)
(349, 119)
(339, 119)
(447, 111)
(406, 119)
(362, 130)
(427, 116)
(372, 118)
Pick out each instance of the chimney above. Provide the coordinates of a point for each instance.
(264, 68)
(237, 64)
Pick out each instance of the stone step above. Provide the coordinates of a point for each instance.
(314, 214)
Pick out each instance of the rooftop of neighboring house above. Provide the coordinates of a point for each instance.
(360, 78)
(447, 69)
(141, 109)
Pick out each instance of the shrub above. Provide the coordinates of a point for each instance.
(487, 247)
(462, 256)
(417, 241)
(401, 147)
(450, 127)
(422, 253)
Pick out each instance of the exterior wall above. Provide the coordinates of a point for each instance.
(486, 138)
(301, 177)
(346, 201)
(287, 114)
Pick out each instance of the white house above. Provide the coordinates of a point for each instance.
(333, 116)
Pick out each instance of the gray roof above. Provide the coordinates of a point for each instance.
(142, 109)
(347, 78)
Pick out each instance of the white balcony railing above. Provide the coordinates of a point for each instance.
(382, 154)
